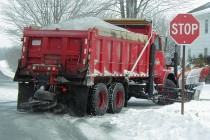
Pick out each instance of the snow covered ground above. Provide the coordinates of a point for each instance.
(8, 94)
(138, 122)
(164, 123)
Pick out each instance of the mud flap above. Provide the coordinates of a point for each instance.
(25, 92)
(78, 101)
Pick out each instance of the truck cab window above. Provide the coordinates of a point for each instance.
(157, 43)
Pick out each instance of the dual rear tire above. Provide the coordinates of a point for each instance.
(102, 100)
(98, 100)
(116, 98)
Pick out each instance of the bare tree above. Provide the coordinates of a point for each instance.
(143, 8)
(20, 13)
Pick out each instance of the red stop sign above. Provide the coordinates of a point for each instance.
(184, 28)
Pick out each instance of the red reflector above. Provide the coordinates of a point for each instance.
(29, 67)
(64, 89)
(53, 68)
(90, 50)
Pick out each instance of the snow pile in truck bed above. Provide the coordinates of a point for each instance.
(83, 24)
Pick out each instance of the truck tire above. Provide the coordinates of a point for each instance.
(162, 101)
(98, 100)
(116, 98)
(25, 92)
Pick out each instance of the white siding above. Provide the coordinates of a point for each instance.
(203, 41)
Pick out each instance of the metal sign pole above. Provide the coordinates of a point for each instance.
(183, 79)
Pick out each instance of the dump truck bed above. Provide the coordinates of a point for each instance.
(99, 51)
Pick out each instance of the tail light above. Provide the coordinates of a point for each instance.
(64, 89)
(54, 68)
(44, 68)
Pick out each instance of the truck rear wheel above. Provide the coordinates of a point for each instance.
(98, 100)
(116, 98)
(25, 92)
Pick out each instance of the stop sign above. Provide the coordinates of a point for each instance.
(184, 28)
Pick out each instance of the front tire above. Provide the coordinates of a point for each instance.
(167, 96)
(98, 100)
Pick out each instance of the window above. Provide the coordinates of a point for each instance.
(206, 25)
(157, 43)
(205, 52)
(36, 42)
(189, 54)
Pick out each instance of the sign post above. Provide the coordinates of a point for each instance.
(184, 29)
(183, 79)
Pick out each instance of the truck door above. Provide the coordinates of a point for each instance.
(159, 56)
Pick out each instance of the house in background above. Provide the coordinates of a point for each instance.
(202, 44)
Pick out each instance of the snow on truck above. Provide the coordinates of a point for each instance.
(94, 70)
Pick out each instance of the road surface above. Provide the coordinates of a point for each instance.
(48, 126)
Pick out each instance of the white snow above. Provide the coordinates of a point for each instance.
(202, 12)
(4, 68)
(205, 93)
(143, 122)
(8, 94)
(83, 24)
(164, 123)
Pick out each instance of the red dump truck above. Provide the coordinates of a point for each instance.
(93, 71)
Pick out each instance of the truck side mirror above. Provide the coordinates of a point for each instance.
(170, 62)
(169, 59)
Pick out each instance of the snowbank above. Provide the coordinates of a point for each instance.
(4, 68)
(166, 123)
(8, 94)
(83, 24)
(141, 123)
(205, 93)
